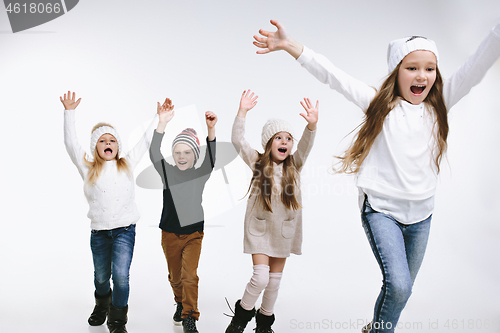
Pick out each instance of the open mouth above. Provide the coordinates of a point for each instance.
(108, 151)
(282, 150)
(417, 89)
(182, 163)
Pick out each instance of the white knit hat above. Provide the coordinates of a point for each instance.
(273, 126)
(100, 131)
(399, 48)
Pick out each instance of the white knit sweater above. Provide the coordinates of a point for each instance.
(399, 175)
(112, 198)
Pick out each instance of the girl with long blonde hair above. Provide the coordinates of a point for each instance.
(273, 219)
(397, 151)
(109, 189)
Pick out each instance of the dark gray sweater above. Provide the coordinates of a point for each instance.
(182, 190)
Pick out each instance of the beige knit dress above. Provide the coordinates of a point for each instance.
(279, 233)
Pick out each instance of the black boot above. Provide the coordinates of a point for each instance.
(117, 319)
(240, 319)
(101, 309)
(264, 323)
(178, 313)
(189, 324)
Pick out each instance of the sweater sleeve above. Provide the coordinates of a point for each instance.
(209, 161)
(75, 151)
(156, 156)
(134, 156)
(304, 148)
(473, 70)
(354, 90)
(247, 153)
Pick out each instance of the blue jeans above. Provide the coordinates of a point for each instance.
(112, 252)
(399, 250)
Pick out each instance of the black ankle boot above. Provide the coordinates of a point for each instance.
(264, 323)
(117, 319)
(240, 319)
(101, 309)
(178, 314)
(189, 324)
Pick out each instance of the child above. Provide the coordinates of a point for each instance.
(109, 189)
(182, 217)
(273, 219)
(398, 149)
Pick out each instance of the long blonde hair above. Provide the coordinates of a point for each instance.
(385, 100)
(95, 166)
(263, 181)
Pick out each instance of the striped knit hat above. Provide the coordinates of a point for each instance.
(190, 138)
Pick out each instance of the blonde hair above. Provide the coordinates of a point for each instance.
(385, 100)
(95, 166)
(263, 181)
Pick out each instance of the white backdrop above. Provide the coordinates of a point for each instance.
(122, 57)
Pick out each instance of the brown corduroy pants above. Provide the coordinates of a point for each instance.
(183, 253)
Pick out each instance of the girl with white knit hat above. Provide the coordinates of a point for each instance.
(273, 219)
(109, 189)
(397, 151)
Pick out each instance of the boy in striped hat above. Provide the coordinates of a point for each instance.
(186, 149)
(182, 218)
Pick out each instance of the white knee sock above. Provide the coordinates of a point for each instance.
(258, 282)
(270, 294)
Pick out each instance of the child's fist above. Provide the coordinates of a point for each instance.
(211, 119)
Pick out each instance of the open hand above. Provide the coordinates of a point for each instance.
(69, 102)
(279, 40)
(165, 111)
(247, 102)
(271, 41)
(311, 115)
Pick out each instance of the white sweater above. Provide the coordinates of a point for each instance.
(398, 175)
(112, 198)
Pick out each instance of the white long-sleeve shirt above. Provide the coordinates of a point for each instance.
(399, 175)
(112, 198)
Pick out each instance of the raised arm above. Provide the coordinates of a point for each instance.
(306, 141)
(165, 113)
(209, 162)
(211, 120)
(247, 102)
(75, 151)
(354, 90)
(278, 40)
(248, 154)
(473, 70)
(135, 155)
(311, 114)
